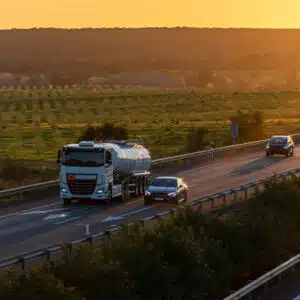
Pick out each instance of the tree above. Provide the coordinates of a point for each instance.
(106, 131)
(197, 139)
(250, 125)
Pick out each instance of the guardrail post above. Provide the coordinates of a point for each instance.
(256, 188)
(22, 261)
(107, 234)
(21, 196)
(212, 203)
(245, 193)
(234, 196)
(70, 248)
(47, 253)
(90, 240)
(200, 208)
(224, 199)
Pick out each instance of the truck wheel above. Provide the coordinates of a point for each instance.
(67, 201)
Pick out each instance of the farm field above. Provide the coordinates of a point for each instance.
(34, 123)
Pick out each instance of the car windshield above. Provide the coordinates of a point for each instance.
(278, 140)
(165, 182)
(83, 158)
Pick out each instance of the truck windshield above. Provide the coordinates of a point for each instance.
(83, 158)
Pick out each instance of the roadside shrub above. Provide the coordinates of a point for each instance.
(35, 285)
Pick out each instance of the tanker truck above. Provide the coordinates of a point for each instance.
(103, 171)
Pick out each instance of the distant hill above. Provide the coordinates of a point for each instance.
(72, 56)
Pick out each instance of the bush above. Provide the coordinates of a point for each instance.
(197, 139)
(12, 170)
(35, 285)
(190, 256)
(107, 131)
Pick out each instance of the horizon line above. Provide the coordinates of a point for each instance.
(149, 27)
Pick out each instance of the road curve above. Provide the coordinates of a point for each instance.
(43, 226)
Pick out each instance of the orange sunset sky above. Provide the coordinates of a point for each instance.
(140, 13)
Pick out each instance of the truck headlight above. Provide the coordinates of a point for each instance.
(63, 190)
(147, 193)
(100, 191)
(173, 194)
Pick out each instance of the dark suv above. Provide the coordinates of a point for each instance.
(280, 144)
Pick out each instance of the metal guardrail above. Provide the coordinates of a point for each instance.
(264, 279)
(160, 161)
(206, 204)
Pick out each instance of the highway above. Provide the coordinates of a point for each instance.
(47, 222)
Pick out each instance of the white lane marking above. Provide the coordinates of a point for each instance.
(136, 211)
(59, 216)
(296, 298)
(192, 185)
(68, 220)
(38, 212)
(122, 216)
(27, 210)
(233, 173)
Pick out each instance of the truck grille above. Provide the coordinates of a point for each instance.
(82, 187)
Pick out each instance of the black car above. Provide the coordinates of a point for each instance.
(166, 189)
(280, 144)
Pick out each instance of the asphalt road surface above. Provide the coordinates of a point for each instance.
(48, 223)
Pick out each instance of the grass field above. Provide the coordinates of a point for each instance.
(35, 123)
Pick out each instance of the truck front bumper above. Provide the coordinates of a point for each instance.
(65, 194)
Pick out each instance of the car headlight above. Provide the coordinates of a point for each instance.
(147, 193)
(173, 194)
(63, 190)
(285, 147)
(100, 191)
(268, 146)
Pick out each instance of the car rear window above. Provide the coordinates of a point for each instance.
(278, 140)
